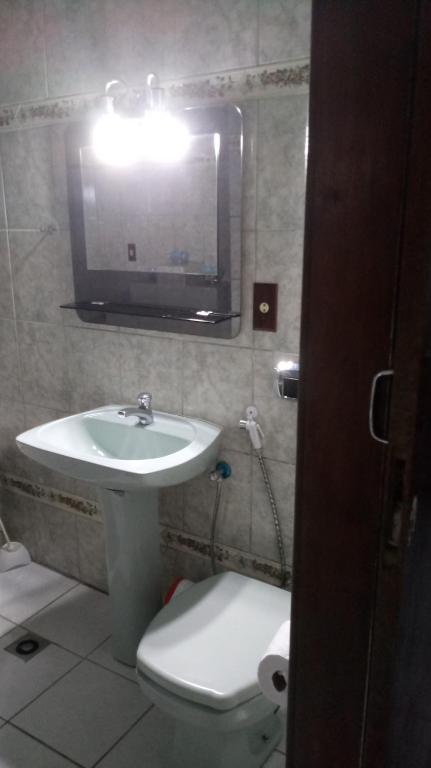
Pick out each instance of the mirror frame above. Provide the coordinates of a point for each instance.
(166, 301)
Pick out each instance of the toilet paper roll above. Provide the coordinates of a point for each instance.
(273, 669)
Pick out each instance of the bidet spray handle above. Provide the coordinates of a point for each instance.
(253, 428)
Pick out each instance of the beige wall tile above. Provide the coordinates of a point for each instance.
(284, 29)
(22, 68)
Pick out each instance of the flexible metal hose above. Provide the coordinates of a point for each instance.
(214, 523)
(219, 479)
(275, 515)
(4, 532)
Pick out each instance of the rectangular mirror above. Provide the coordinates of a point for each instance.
(158, 245)
(152, 217)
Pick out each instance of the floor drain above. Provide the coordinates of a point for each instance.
(27, 646)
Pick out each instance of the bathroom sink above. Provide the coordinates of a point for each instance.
(129, 461)
(100, 447)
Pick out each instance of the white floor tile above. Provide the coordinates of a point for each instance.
(85, 713)
(18, 750)
(79, 620)
(21, 681)
(24, 591)
(103, 656)
(150, 739)
(276, 760)
(5, 626)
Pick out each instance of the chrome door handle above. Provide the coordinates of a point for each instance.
(376, 379)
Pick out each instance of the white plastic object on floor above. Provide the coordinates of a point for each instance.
(12, 553)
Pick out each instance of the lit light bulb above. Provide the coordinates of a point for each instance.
(116, 140)
(285, 365)
(165, 139)
(157, 137)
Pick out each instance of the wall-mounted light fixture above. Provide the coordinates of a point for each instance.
(154, 136)
(115, 138)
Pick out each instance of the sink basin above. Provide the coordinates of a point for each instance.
(100, 447)
(129, 462)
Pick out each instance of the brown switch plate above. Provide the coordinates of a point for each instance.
(265, 307)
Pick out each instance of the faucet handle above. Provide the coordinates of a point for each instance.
(144, 400)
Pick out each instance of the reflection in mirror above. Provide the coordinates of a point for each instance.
(151, 216)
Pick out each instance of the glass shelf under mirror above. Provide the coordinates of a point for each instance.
(187, 315)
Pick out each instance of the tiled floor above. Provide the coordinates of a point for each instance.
(72, 704)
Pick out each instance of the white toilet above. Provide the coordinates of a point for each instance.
(198, 663)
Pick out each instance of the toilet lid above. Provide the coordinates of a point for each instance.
(206, 644)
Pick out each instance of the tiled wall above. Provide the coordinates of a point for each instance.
(51, 364)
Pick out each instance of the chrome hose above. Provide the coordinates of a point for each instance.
(214, 524)
(276, 517)
(222, 471)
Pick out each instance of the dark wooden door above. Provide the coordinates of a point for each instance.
(397, 728)
(361, 300)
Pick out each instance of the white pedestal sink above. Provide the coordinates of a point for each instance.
(129, 463)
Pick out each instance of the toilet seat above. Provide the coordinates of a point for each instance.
(205, 645)
(245, 715)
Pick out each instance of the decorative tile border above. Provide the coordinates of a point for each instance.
(257, 82)
(33, 115)
(228, 557)
(170, 538)
(254, 83)
(68, 501)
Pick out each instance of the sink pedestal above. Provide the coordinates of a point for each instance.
(134, 565)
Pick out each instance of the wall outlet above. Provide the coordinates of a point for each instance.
(265, 307)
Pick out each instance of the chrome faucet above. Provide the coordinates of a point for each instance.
(142, 411)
